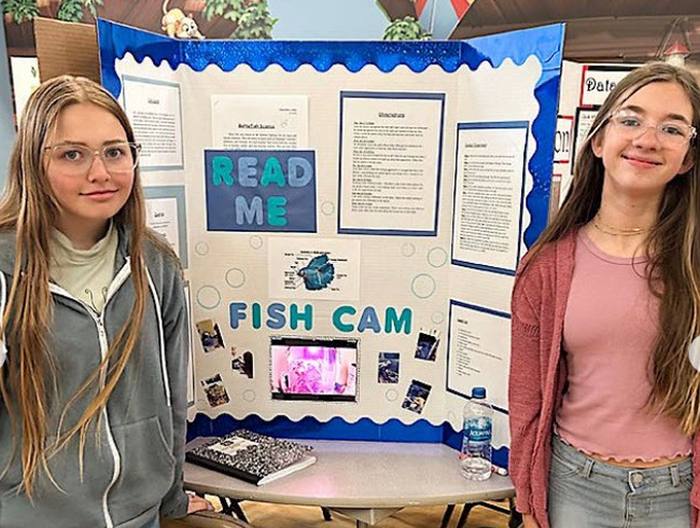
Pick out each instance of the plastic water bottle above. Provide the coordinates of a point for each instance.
(476, 441)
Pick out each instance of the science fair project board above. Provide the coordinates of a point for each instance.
(350, 214)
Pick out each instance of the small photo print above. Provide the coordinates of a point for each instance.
(210, 335)
(388, 367)
(242, 363)
(416, 396)
(215, 390)
(427, 345)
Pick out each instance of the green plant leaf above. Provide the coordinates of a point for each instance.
(70, 11)
(255, 22)
(406, 28)
(21, 10)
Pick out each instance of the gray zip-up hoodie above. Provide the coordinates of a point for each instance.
(133, 463)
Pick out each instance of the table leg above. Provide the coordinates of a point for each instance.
(233, 508)
(448, 514)
(236, 507)
(465, 514)
(516, 518)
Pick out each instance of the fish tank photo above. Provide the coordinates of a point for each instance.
(321, 369)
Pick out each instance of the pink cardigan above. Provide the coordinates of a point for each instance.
(538, 373)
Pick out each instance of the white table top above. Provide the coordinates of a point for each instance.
(350, 474)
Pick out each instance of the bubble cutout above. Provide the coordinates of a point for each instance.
(249, 395)
(437, 257)
(391, 395)
(423, 286)
(202, 249)
(328, 208)
(694, 353)
(235, 277)
(256, 242)
(408, 249)
(438, 317)
(208, 297)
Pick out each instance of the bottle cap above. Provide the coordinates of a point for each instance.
(479, 393)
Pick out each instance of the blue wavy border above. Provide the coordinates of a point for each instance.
(545, 43)
(336, 429)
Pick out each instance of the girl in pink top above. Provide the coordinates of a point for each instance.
(615, 281)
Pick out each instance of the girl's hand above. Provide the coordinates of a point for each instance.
(529, 522)
(198, 504)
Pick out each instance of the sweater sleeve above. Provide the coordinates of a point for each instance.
(175, 502)
(525, 385)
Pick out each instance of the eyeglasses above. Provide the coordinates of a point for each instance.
(76, 160)
(669, 133)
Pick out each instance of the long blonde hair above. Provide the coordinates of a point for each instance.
(29, 208)
(673, 247)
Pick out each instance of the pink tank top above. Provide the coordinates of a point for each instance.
(609, 330)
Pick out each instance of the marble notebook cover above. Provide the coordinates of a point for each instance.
(252, 457)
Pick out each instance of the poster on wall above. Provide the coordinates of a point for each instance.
(260, 122)
(489, 187)
(478, 351)
(563, 141)
(598, 80)
(166, 215)
(161, 214)
(584, 121)
(25, 79)
(314, 268)
(390, 162)
(154, 110)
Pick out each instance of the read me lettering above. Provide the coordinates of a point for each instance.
(263, 173)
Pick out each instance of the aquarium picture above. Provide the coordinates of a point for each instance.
(313, 368)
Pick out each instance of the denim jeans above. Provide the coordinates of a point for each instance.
(587, 493)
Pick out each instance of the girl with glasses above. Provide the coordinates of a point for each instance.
(604, 400)
(92, 361)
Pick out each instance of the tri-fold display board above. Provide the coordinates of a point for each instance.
(351, 213)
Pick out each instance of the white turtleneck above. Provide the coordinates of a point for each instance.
(84, 273)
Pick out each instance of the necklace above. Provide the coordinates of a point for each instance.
(618, 231)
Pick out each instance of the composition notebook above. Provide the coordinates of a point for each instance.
(252, 457)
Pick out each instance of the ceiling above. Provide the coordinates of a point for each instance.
(596, 30)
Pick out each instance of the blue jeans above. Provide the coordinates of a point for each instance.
(587, 493)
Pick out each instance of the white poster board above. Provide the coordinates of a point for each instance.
(336, 267)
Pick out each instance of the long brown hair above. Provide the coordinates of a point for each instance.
(673, 247)
(29, 208)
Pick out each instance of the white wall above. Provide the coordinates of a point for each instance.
(327, 20)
